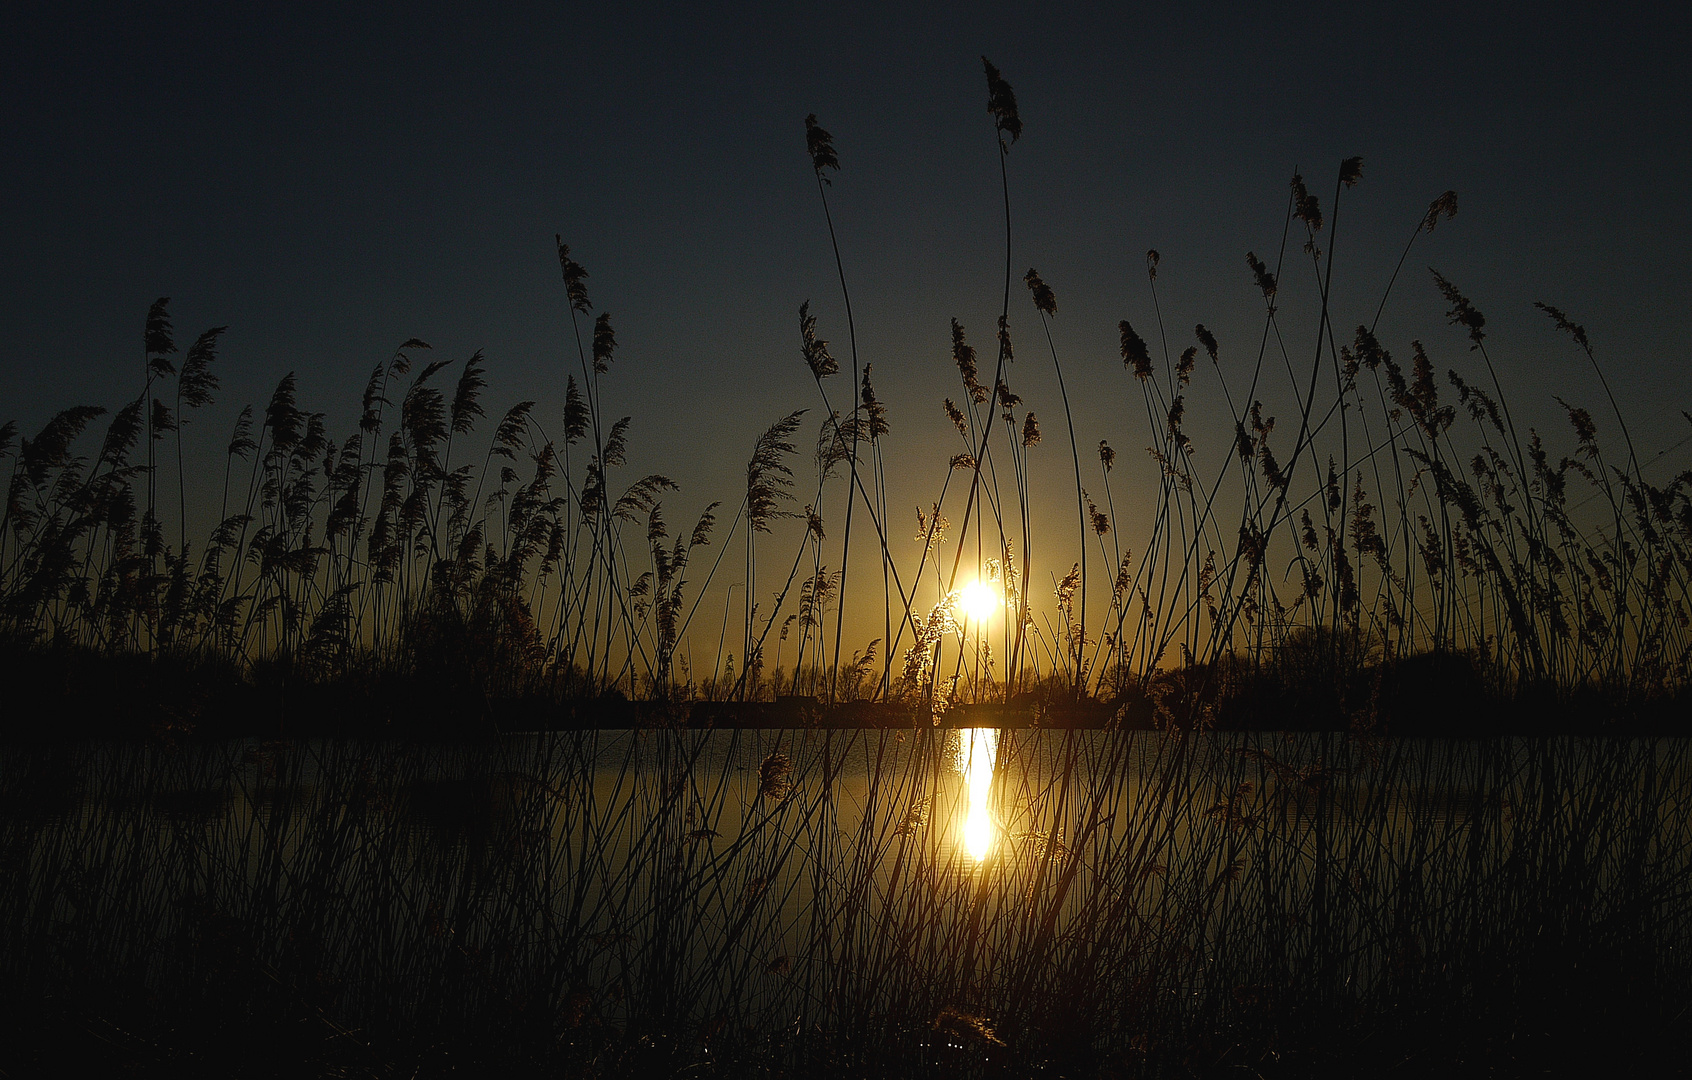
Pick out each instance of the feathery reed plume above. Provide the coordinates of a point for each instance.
(1574, 330)
(768, 476)
(1577, 333)
(1207, 339)
(158, 340)
(931, 530)
(956, 417)
(616, 443)
(1444, 206)
(775, 776)
(1107, 455)
(1030, 430)
(1306, 207)
(121, 436)
(820, 145)
(1184, 366)
(574, 276)
(604, 343)
(1462, 312)
(575, 412)
(874, 412)
(834, 447)
(701, 534)
(1134, 351)
(198, 382)
(241, 441)
(467, 394)
(1044, 299)
(1367, 349)
(963, 354)
(194, 389)
(163, 419)
(508, 435)
(1260, 273)
(51, 448)
(1007, 400)
(1098, 518)
(813, 348)
(919, 658)
(1351, 171)
(1001, 102)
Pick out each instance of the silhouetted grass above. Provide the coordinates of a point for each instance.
(737, 902)
(1413, 518)
(1181, 893)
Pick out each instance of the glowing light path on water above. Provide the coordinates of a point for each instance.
(976, 750)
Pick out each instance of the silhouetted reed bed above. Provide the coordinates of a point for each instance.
(733, 903)
(1371, 519)
(1372, 552)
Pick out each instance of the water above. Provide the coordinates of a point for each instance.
(743, 887)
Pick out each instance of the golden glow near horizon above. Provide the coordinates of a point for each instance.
(979, 602)
(976, 750)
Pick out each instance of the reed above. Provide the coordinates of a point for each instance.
(1422, 525)
(1257, 866)
(661, 902)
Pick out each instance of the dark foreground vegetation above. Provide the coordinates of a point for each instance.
(744, 904)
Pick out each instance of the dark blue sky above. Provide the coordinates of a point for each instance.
(329, 183)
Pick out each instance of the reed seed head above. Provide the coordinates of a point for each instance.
(963, 354)
(575, 412)
(1045, 300)
(820, 145)
(1207, 339)
(1444, 206)
(604, 343)
(1184, 366)
(574, 275)
(1306, 207)
(1462, 313)
(1001, 103)
(1134, 352)
(813, 348)
(1265, 280)
(874, 419)
(158, 339)
(1574, 330)
(198, 382)
(956, 417)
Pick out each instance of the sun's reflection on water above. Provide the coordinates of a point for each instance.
(977, 748)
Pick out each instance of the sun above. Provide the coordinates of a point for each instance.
(979, 601)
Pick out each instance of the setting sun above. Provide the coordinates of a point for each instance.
(979, 601)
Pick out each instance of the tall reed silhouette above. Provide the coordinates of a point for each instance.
(1437, 531)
